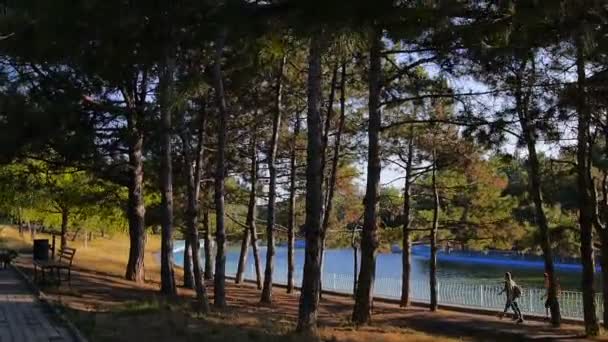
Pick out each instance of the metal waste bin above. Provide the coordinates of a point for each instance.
(41, 249)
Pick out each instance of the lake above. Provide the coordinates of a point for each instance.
(339, 263)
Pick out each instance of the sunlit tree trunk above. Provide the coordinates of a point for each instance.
(406, 258)
(272, 187)
(188, 272)
(291, 225)
(252, 213)
(242, 263)
(135, 207)
(256, 254)
(208, 271)
(309, 296)
(433, 261)
(362, 311)
(353, 244)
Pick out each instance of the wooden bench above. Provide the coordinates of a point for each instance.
(64, 262)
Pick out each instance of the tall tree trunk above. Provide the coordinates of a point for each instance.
(136, 209)
(65, 214)
(19, 221)
(309, 296)
(534, 188)
(242, 263)
(291, 225)
(326, 131)
(220, 171)
(75, 235)
(32, 230)
(338, 139)
(208, 272)
(194, 173)
(362, 311)
(433, 262)
(585, 184)
(188, 272)
(353, 243)
(602, 232)
(406, 257)
(254, 247)
(253, 208)
(272, 186)
(167, 284)
(333, 173)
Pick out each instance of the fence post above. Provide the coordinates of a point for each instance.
(334, 281)
(481, 290)
(438, 292)
(530, 291)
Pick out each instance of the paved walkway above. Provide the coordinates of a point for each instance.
(22, 316)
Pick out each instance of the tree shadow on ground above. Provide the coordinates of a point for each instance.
(114, 309)
(474, 327)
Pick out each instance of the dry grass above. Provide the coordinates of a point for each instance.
(380, 335)
(10, 239)
(102, 255)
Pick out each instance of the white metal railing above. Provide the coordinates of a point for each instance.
(469, 295)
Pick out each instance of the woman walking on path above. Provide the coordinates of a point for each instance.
(513, 291)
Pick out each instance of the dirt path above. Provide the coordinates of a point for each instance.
(336, 310)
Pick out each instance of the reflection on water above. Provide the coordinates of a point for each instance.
(340, 261)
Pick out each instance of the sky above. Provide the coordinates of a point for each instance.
(392, 175)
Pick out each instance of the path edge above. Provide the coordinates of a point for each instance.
(43, 298)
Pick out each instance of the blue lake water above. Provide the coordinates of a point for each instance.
(339, 267)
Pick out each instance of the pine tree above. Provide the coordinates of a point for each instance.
(309, 297)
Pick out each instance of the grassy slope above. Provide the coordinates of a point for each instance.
(102, 255)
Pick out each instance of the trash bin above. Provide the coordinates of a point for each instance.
(41, 249)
